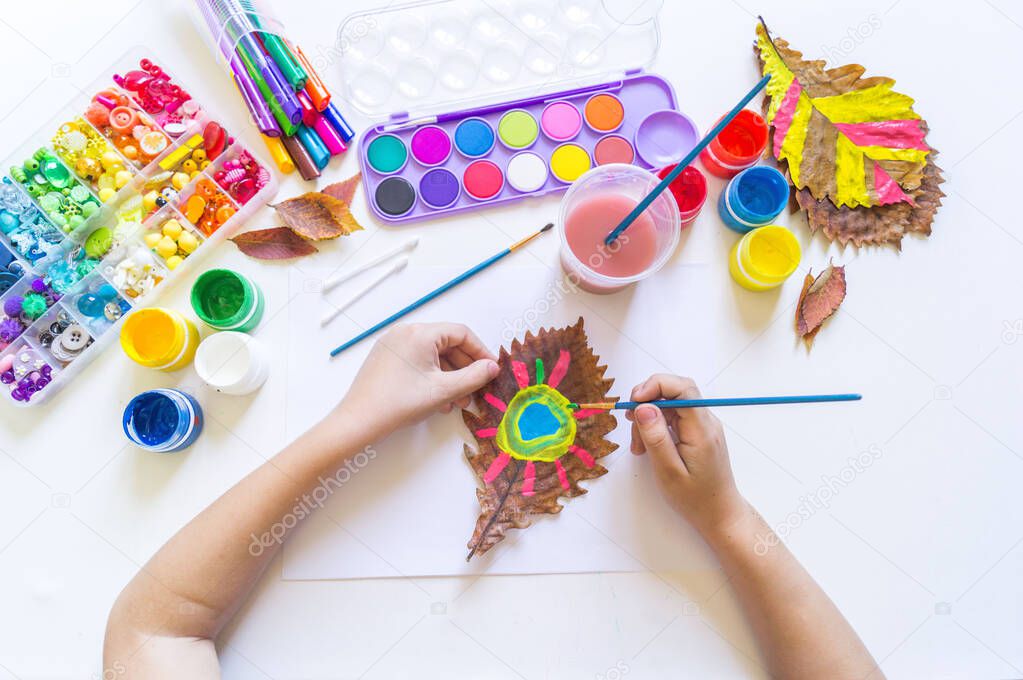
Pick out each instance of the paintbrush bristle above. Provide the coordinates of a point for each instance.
(547, 227)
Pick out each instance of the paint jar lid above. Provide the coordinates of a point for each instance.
(431, 56)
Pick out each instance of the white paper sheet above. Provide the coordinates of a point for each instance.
(411, 508)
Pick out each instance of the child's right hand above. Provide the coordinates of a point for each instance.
(690, 456)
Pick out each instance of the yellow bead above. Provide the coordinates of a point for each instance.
(149, 200)
(111, 160)
(122, 178)
(187, 242)
(106, 181)
(179, 180)
(166, 247)
(106, 195)
(199, 155)
(189, 166)
(193, 174)
(172, 228)
(173, 261)
(204, 165)
(152, 238)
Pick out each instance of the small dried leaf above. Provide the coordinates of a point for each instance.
(317, 216)
(344, 191)
(279, 243)
(509, 497)
(819, 299)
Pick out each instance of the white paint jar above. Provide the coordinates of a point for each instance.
(232, 362)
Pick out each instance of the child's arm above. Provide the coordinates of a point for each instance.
(800, 631)
(164, 622)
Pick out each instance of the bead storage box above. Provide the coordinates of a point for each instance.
(120, 193)
(488, 103)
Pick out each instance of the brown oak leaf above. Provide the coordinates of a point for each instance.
(345, 190)
(317, 216)
(279, 243)
(819, 299)
(512, 495)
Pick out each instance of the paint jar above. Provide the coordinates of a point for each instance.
(227, 301)
(159, 338)
(163, 420)
(689, 190)
(593, 206)
(739, 146)
(753, 198)
(764, 258)
(232, 363)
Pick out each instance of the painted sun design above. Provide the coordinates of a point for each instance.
(534, 446)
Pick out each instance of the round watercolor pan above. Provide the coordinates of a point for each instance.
(474, 138)
(430, 145)
(439, 188)
(569, 162)
(387, 154)
(483, 180)
(527, 172)
(518, 130)
(395, 196)
(561, 121)
(604, 112)
(613, 149)
(665, 136)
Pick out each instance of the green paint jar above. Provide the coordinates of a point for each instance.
(227, 301)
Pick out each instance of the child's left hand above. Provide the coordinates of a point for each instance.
(414, 370)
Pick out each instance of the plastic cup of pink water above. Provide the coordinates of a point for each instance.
(593, 206)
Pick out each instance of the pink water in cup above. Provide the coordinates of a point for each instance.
(593, 207)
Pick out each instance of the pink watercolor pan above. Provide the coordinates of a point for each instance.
(431, 145)
(561, 121)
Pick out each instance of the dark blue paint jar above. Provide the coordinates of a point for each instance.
(753, 198)
(163, 420)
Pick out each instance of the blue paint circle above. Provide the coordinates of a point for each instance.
(536, 421)
(474, 137)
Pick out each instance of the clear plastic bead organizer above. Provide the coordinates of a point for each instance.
(90, 215)
(452, 82)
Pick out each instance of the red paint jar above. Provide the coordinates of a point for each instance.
(739, 146)
(689, 190)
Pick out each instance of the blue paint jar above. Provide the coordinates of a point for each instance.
(753, 198)
(163, 420)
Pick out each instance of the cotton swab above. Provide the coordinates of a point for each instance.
(334, 281)
(395, 268)
(690, 157)
(733, 401)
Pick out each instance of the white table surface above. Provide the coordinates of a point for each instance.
(921, 549)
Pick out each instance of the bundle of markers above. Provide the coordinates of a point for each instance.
(301, 126)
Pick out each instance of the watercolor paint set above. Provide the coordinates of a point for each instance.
(454, 86)
(120, 193)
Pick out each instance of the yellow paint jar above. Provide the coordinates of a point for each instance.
(764, 258)
(159, 338)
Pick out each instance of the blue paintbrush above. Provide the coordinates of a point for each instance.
(690, 157)
(734, 401)
(434, 293)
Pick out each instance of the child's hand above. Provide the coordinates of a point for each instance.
(414, 370)
(694, 474)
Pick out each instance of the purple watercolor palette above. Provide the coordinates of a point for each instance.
(481, 157)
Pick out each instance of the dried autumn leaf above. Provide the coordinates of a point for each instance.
(881, 224)
(849, 139)
(317, 216)
(819, 299)
(344, 191)
(533, 448)
(279, 243)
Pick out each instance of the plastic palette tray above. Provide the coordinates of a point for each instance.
(438, 62)
(60, 260)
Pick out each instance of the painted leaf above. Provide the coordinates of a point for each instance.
(344, 191)
(819, 299)
(279, 243)
(849, 139)
(317, 216)
(881, 224)
(532, 447)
